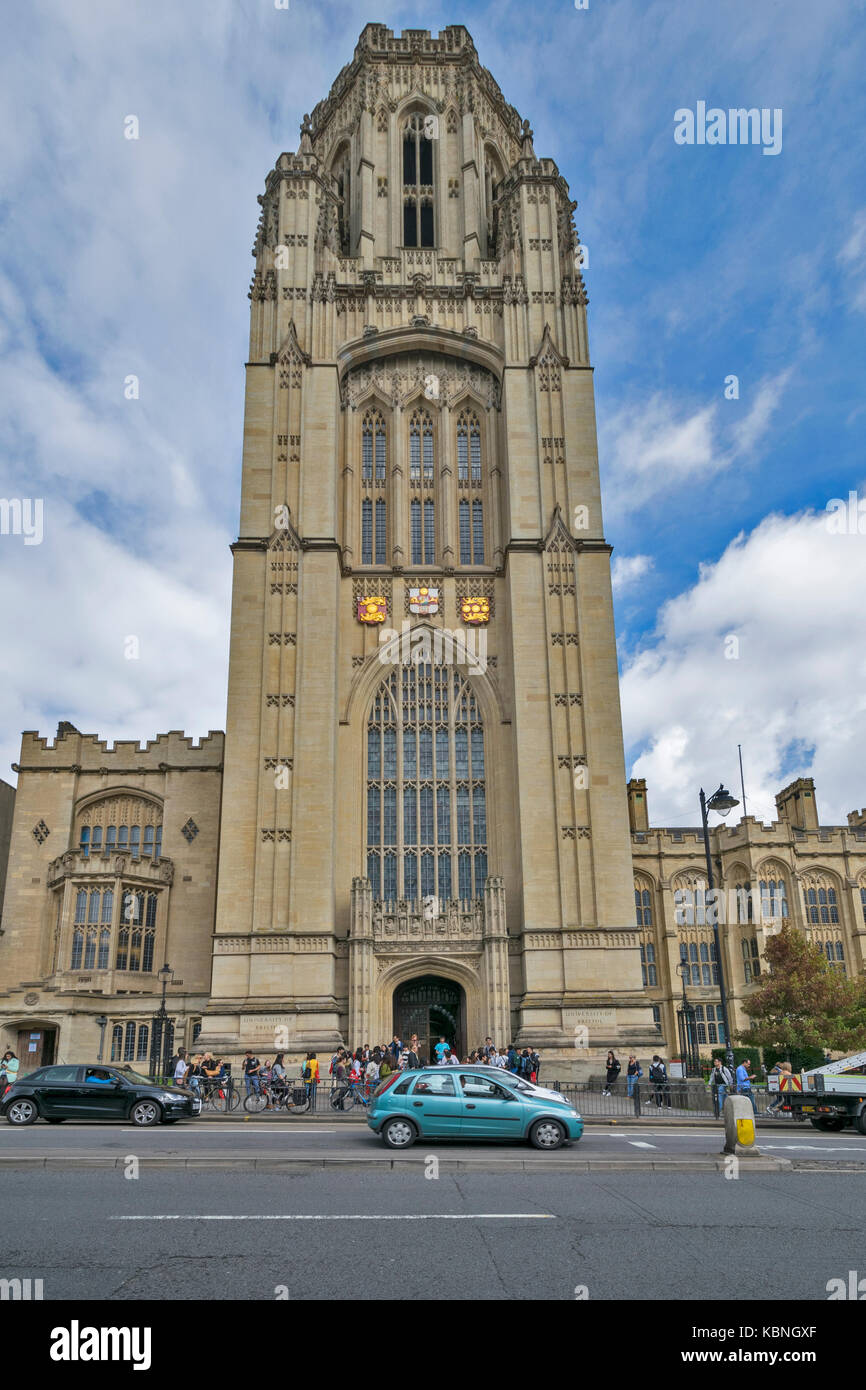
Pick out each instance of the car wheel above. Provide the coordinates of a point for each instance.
(547, 1134)
(22, 1112)
(145, 1112)
(827, 1123)
(399, 1134)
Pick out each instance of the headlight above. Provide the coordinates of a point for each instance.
(167, 1096)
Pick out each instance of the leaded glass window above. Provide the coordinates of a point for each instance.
(426, 799)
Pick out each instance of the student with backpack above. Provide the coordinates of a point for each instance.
(633, 1072)
(659, 1078)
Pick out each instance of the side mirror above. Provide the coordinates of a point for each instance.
(116, 1081)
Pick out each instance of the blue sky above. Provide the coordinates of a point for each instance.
(126, 257)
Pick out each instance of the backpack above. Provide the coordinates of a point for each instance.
(657, 1071)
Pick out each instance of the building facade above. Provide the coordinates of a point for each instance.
(418, 820)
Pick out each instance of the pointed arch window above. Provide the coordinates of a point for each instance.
(374, 449)
(426, 789)
(421, 470)
(418, 229)
(468, 451)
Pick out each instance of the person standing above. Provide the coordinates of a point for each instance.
(311, 1078)
(659, 1077)
(440, 1049)
(780, 1069)
(8, 1070)
(512, 1059)
(252, 1067)
(633, 1073)
(744, 1081)
(612, 1074)
(181, 1068)
(720, 1081)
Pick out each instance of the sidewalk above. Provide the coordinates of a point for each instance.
(358, 1115)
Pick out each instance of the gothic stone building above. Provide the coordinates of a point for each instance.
(418, 817)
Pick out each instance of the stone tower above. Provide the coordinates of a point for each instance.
(424, 821)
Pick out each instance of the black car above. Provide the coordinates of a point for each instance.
(71, 1092)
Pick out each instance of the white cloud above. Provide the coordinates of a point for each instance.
(654, 449)
(628, 569)
(853, 257)
(794, 696)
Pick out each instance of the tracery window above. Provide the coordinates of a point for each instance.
(417, 184)
(468, 450)
(426, 787)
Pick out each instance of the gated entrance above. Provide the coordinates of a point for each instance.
(432, 1007)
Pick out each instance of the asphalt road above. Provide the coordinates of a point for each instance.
(233, 1141)
(307, 1234)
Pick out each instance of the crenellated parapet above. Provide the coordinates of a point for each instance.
(72, 751)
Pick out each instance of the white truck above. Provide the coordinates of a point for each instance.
(830, 1096)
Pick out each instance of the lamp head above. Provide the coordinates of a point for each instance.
(721, 801)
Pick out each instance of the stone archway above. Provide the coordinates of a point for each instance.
(464, 977)
(434, 1007)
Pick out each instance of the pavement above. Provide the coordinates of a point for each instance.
(264, 1144)
(313, 1233)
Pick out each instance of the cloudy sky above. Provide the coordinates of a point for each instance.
(740, 613)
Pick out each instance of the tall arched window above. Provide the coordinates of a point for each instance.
(426, 787)
(821, 902)
(341, 170)
(374, 448)
(374, 472)
(422, 476)
(417, 183)
(468, 451)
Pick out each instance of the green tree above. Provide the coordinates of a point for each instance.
(803, 1001)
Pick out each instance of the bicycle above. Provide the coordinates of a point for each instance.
(219, 1095)
(352, 1094)
(293, 1099)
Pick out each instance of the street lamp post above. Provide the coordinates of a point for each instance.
(102, 1024)
(722, 802)
(160, 1018)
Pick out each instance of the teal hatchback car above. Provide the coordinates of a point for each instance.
(469, 1103)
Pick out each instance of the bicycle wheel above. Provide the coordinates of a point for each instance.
(234, 1099)
(218, 1100)
(255, 1102)
(298, 1107)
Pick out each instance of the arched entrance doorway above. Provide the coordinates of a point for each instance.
(432, 1007)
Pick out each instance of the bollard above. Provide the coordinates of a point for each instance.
(739, 1126)
(636, 1098)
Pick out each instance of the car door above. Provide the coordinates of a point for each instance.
(490, 1111)
(103, 1095)
(436, 1105)
(58, 1092)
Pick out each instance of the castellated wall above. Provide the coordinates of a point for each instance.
(173, 782)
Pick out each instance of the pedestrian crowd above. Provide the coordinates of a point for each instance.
(367, 1066)
(364, 1066)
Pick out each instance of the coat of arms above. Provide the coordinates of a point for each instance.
(475, 609)
(424, 600)
(372, 610)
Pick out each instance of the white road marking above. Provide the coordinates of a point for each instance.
(638, 1144)
(818, 1148)
(462, 1216)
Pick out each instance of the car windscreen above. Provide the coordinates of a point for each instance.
(135, 1078)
